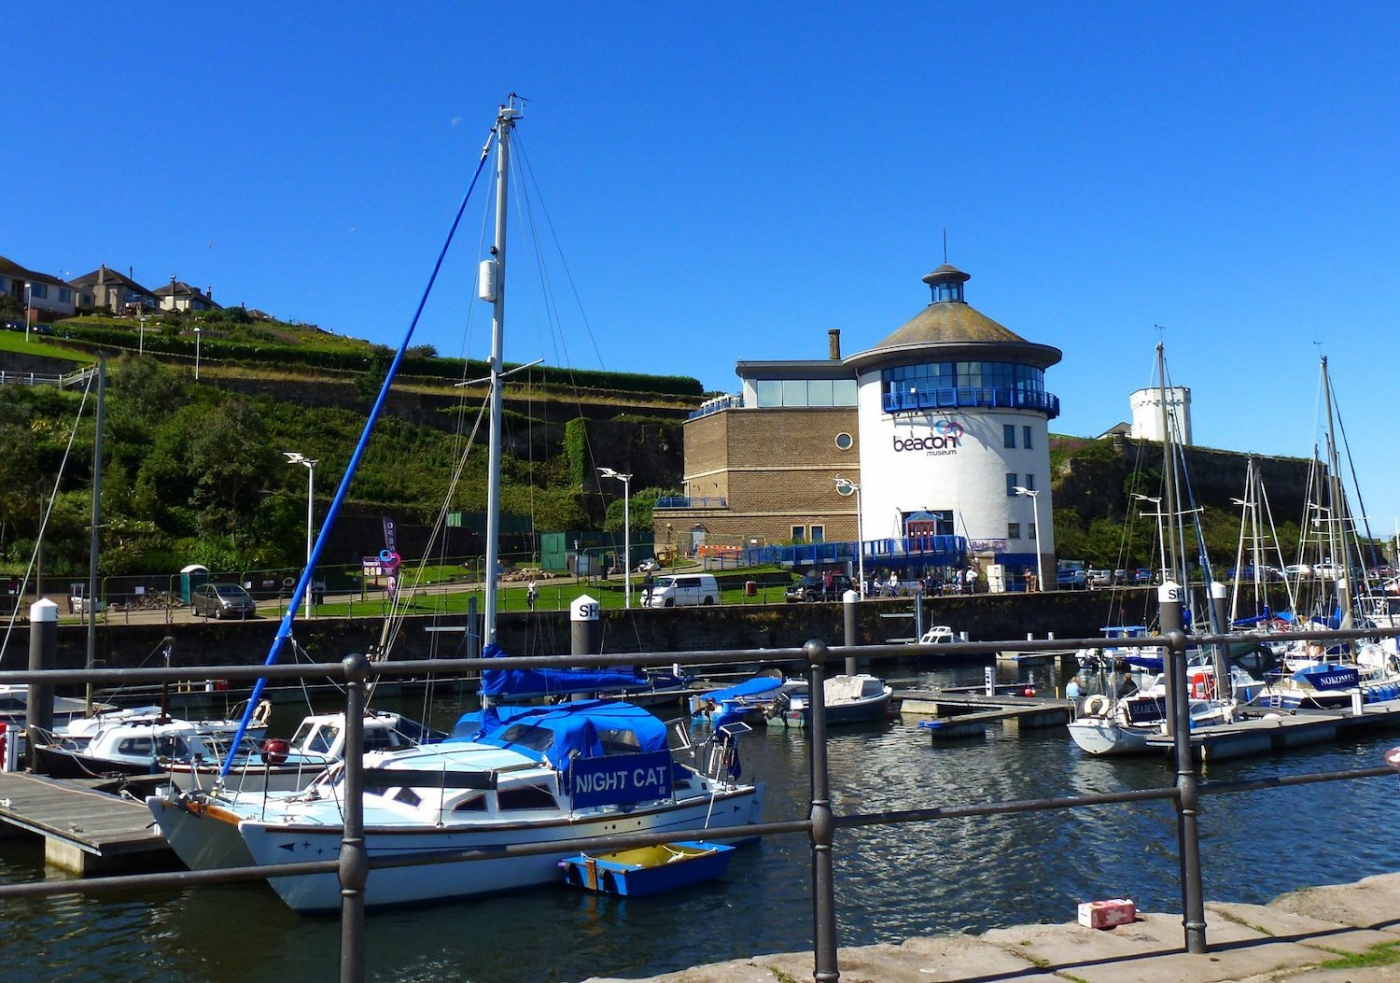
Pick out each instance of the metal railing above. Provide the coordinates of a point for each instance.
(820, 824)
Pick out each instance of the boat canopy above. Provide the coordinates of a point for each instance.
(749, 687)
(555, 734)
(531, 683)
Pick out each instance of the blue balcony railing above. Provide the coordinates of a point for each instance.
(691, 502)
(918, 400)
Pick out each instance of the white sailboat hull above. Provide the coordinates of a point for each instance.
(271, 842)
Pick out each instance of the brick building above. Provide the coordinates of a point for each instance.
(940, 430)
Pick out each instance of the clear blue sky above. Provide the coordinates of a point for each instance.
(728, 182)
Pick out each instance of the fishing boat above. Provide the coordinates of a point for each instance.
(508, 776)
(647, 869)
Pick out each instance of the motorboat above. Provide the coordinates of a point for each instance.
(849, 699)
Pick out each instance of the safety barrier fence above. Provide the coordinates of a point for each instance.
(819, 825)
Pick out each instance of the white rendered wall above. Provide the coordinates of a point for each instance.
(1147, 413)
(920, 461)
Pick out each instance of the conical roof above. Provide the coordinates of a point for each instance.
(952, 329)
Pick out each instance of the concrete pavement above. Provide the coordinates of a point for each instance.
(1314, 935)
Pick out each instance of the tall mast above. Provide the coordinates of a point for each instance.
(505, 125)
(1172, 548)
(1336, 513)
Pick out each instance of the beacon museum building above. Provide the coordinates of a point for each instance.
(940, 430)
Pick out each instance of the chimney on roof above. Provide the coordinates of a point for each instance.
(833, 344)
(209, 292)
(101, 274)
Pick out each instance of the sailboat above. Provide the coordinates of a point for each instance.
(508, 775)
(1318, 676)
(1122, 702)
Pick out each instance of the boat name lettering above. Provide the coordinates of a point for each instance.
(614, 781)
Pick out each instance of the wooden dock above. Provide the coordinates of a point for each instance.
(959, 715)
(85, 831)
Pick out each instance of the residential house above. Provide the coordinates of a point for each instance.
(109, 290)
(180, 296)
(46, 298)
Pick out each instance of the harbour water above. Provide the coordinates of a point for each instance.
(893, 882)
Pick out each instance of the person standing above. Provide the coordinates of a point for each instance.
(648, 582)
(531, 593)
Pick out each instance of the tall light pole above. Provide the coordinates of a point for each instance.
(1161, 532)
(845, 486)
(1034, 494)
(141, 344)
(28, 306)
(196, 353)
(626, 480)
(294, 457)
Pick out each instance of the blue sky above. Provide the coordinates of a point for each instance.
(728, 182)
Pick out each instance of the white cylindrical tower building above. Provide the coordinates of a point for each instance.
(1147, 413)
(954, 433)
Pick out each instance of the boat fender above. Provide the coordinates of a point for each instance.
(274, 752)
(1097, 706)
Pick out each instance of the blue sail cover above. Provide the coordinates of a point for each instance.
(531, 683)
(749, 687)
(587, 729)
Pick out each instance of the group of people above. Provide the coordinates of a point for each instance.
(961, 581)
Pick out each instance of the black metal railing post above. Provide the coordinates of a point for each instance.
(823, 829)
(1188, 800)
(354, 859)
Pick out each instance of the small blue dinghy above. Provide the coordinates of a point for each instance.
(647, 869)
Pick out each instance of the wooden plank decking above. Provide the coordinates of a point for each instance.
(85, 831)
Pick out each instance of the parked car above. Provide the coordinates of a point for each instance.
(14, 325)
(1246, 573)
(810, 588)
(1141, 575)
(1073, 578)
(1295, 571)
(648, 565)
(1100, 578)
(1328, 570)
(222, 601)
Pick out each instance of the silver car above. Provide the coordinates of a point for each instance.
(222, 601)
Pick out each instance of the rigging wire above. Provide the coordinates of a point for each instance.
(299, 591)
(48, 513)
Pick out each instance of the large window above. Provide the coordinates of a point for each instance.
(1026, 440)
(1008, 435)
(1012, 480)
(805, 392)
(962, 375)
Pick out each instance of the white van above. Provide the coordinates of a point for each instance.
(681, 590)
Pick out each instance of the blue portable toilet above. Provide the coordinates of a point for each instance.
(190, 578)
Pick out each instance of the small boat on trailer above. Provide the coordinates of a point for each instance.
(647, 869)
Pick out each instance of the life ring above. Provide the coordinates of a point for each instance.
(262, 713)
(1097, 705)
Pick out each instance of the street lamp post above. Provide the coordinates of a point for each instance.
(1034, 495)
(626, 480)
(1161, 532)
(28, 307)
(141, 342)
(196, 352)
(845, 486)
(294, 457)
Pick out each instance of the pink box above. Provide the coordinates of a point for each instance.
(1107, 914)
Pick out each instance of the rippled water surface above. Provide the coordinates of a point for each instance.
(893, 882)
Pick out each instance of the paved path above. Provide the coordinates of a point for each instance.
(1294, 938)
